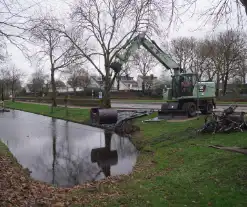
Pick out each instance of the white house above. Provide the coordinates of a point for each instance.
(126, 83)
(149, 81)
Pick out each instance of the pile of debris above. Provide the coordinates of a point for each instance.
(118, 121)
(226, 121)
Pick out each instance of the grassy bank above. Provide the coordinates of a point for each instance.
(4, 150)
(74, 114)
(175, 168)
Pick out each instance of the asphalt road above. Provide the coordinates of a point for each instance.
(157, 106)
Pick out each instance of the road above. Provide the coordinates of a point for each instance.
(157, 106)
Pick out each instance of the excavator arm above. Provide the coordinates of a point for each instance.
(151, 47)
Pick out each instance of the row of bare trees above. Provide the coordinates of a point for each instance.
(97, 29)
(76, 77)
(220, 57)
(10, 80)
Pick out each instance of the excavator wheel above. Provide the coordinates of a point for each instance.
(208, 108)
(190, 107)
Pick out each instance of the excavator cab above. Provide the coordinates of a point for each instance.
(183, 85)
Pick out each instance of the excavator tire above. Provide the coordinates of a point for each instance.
(190, 107)
(208, 108)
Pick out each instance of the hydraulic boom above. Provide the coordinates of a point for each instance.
(151, 47)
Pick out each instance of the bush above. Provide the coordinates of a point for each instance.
(232, 99)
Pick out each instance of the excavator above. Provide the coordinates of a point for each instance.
(187, 97)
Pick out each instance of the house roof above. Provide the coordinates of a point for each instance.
(97, 80)
(124, 77)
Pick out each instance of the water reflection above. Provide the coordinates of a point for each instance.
(65, 153)
(104, 157)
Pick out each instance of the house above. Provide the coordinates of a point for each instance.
(148, 81)
(125, 83)
(96, 82)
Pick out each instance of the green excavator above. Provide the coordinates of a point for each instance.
(188, 96)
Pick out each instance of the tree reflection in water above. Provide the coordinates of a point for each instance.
(71, 167)
(54, 150)
(104, 157)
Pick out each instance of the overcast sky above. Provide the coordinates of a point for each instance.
(60, 7)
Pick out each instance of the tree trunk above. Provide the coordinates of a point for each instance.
(2, 93)
(74, 91)
(84, 91)
(118, 84)
(244, 78)
(106, 101)
(54, 150)
(143, 87)
(225, 82)
(217, 84)
(12, 92)
(53, 85)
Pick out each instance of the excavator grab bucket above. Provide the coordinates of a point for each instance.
(171, 110)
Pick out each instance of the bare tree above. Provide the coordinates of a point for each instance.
(144, 62)
(37, 81)
(5, 82)
(226, 52)
(222, 55)
(53, 47)
(215, 12)
(100, 30)
(200, 61)
(73, 81)
(3, 52)
(232, 45)
(14, 76)
(76, 77)
(84, 80)
(191, 53)
(182, 49)
(14, 19)
(241, 70)
(60, 84)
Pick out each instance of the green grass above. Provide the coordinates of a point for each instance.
(4, 150)
(175, 167)
(186, 171)
(74, 114)
(138, 100)
(230, 102)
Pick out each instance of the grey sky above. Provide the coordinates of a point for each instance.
(60, 8)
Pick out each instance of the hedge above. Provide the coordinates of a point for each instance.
(61, 101)
(228, 99)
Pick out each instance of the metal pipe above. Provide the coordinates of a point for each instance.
(103, 116)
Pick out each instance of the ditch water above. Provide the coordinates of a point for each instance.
(65, 153)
